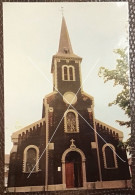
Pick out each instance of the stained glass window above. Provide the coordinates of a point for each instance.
(71, 122)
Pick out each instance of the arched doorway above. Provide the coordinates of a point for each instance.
(73, 170)
(73, 167)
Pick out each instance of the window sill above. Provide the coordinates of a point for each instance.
(32, 172)
(111, 168)
(71, 132)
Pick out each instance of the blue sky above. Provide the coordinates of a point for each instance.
(31, 38)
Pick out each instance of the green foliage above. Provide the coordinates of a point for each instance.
(125, 145)
(120, 76)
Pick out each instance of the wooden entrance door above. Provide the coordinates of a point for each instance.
(69, 175)
(73, 170)
(78, 174)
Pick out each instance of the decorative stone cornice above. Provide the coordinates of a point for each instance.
(110, 129)
(15, 135)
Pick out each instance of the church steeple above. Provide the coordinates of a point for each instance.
(65, 46)
(66, 65)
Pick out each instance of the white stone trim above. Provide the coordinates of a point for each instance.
(65, 121)
(73, 69)
(64, 66)
(93, 145)
(50, 109)
(16, 134)
(89, 96)
(83, 164)
(89, 185)
(26, 189)
(120, 133)
(55, 75)
(47, 134)
(113, 184)
(73, 149)
(56, 187)
(25, 157)
(46, 141)
(65, 57)
(51, 146)
(80, 74)
(50, 94)
(114, 156)
(96, 140)
(68, 73)
(69, 97)
(89, 110)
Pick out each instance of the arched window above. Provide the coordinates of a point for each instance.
(71, 121)
(68, 73)
(65, 73)
(109, 155)
(30, 159)
(71, 73)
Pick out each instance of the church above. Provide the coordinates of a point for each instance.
(68, 148)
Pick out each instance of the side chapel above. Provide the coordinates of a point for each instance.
(66, 148)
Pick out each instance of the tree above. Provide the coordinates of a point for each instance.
(120, 76)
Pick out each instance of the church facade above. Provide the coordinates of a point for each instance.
(68, 148)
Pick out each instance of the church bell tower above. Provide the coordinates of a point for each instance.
(66, 65)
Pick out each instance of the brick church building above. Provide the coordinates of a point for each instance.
(68, 148)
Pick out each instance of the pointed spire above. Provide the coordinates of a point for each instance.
(65, 46)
